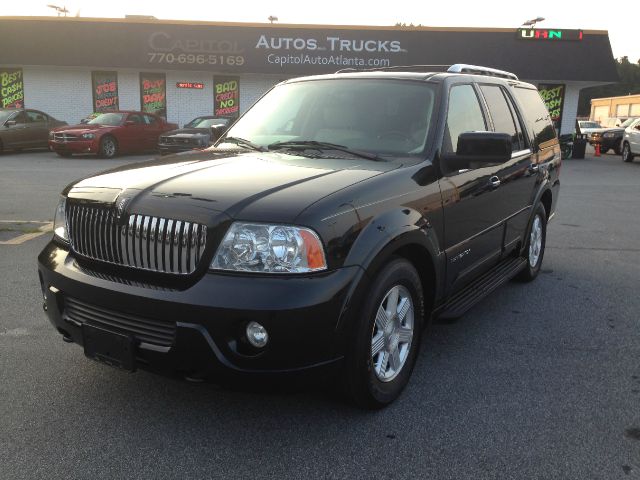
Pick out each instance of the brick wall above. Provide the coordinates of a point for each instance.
(65, 93)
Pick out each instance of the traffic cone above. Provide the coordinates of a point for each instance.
(597, 147)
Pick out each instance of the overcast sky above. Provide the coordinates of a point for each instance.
(621, 19)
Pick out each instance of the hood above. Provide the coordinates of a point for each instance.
(83, 128)
(188, 132)
(251, 186)
(605, 130)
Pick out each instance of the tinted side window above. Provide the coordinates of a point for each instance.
(503, 121)
(464, 115)
(536, 114)
(148, 119)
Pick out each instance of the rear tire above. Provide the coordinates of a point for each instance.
(536, 241)
(108, 147)
(386, 337)
(627, 156)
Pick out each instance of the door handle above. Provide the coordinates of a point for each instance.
(494, 182)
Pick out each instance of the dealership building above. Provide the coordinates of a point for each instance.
(70, 67)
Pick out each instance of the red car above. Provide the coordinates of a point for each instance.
(110, 133)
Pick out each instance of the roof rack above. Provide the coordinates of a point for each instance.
(477, 70)
(457, 68)
(399, 68)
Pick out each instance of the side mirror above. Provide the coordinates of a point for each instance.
(217, 131)
(477, 148)
(10, 123)
(84, 120)
(485, 147)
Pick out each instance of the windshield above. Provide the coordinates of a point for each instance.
(589, 125)
(107, 119)
(627, 122)
(206, 122)
(381, 116)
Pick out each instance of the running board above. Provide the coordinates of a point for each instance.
(466, 298)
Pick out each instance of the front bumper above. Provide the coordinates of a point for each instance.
(75, 146)
(301, 314)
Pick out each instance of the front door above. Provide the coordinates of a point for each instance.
(132, 135)
(14, 131)
(473, 226)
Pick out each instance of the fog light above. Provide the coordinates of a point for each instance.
(257, 335)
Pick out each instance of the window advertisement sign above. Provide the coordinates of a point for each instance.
(553, 97)
(105, 91)
(226, 96)
(153, 93)
(11, 88)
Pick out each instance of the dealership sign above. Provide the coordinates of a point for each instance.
(548, 34)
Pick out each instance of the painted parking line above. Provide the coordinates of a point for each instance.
(45, 227)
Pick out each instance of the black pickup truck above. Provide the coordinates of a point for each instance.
(323, 231)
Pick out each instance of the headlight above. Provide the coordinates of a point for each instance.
(60, 221)
(249, 247)
(51, 135)
(609, 135)
(88, 136)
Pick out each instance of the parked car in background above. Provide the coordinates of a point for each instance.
(198, 133)
(110, 134)
(21, 129)
(631, 141)
(613, 122)
(610, 138)
(587, 127)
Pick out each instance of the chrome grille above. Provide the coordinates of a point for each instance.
(142, 241)
(64, 137)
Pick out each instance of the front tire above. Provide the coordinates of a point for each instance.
(536, 241)
(108, 147)
(618, 148)
(627, 156)
(386, 337)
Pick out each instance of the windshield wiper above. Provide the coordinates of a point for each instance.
(304, 144)
(244, 143)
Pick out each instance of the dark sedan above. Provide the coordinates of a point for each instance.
(22, 129)
(198, 133)
(610, 138)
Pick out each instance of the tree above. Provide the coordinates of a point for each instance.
(629, 84)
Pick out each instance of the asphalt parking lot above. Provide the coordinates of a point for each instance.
(538, 381)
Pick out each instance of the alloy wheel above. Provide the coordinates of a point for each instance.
(392, 333)
(535, 241)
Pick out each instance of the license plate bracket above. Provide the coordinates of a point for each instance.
(106, 346)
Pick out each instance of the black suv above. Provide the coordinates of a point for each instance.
(328, 226)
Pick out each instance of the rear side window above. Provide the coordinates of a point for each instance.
(464, 115)
(536, 115)
(502, 114)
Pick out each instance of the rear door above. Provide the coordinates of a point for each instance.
(38, 128)
(153, 129)
(518, 177)
(473, 224)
